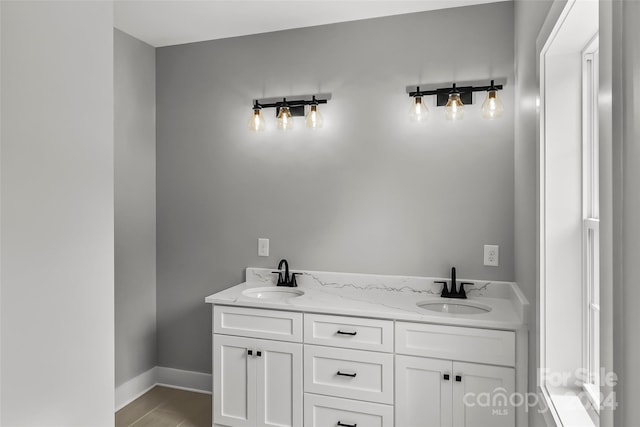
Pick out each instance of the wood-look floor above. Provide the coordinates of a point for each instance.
(167, 407)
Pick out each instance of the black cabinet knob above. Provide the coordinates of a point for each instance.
(458, 378)
(259, 353)
(250, 352)
(446, 377)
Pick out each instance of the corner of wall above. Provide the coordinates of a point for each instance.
(135, 207)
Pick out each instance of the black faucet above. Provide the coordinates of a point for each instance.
(285, 279)
(453, 292)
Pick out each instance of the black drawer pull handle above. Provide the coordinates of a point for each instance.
(345, 374)
(346, 333)
(458, 378)
(341, 424)
(250, 352)
(259, 353)
(446, 377)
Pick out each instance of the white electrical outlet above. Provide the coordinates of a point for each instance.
(492, 255)
(263, 247)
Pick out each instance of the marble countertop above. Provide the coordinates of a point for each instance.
(383, 297)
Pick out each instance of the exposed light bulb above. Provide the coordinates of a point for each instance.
(492, 106)
(454, 110)
(418, 112)
(314, 119)
(256, 121)
(285, 120)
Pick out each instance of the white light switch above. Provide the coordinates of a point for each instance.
(492, 255)
(263, 247)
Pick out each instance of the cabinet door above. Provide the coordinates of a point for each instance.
(481, 394)
(423, 392)
(234, 398)
(278, 384)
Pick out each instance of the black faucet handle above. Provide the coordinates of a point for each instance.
(461, 290)
(279, 273)
(445, 288)
(293, 279)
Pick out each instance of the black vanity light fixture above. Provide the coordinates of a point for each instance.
(454, 99)
(286, 110)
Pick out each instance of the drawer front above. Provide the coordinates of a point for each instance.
(349, 332)
(257, 323)
(456, 343)
(324, 411)
(354, 374)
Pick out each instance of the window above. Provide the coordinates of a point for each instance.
(590, 225)
(568, 216)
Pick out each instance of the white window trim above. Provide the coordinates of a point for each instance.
(591, 225)
(592, 385)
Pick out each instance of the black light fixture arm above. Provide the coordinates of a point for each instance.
(289, 103)
(447, 90)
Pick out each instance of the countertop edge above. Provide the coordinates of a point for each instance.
(449, 320)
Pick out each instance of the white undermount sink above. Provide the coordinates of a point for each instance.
(454, 307)
(273, 293)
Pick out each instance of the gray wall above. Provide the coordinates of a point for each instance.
(620, 232)
(135, 206)
(626, 64)
(610, 258)
(370, 192)
(57, 214)
(1, 400)
(528, 17)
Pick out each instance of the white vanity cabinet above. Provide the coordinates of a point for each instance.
(293, 369)
(448, 391)
(348, 371)
(257, 382)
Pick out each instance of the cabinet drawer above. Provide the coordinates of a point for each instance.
(349, 332)
(257, 323)
(456, 343)
(324, 411)
(354, 374)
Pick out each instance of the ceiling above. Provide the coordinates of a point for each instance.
(169, 22)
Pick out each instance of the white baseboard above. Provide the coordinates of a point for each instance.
(135, 387)
(186, 380)
(158, 375)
